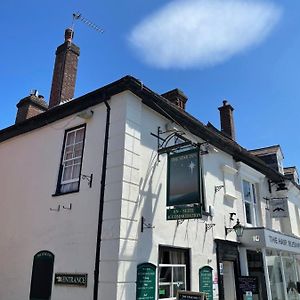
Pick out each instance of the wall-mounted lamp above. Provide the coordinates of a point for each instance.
(209, 226)
(238, 228)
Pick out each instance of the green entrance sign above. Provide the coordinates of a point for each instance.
(145, 283)
(206, 282)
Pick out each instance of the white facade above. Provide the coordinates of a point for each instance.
(33, 219)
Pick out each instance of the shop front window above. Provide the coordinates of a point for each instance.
(276, 278)
(290, 275)
(173, 264)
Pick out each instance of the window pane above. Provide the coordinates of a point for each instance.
(248, 212)
(67, 173)
(164, 291)
(165, 274)
(76, 171)
(70, 138)
(178, 274)
(247, 191)
(79, 135)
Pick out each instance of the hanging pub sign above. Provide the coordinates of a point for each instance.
(145, 282)
(279, 208)
(183, 185)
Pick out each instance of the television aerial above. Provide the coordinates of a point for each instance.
(78, 16)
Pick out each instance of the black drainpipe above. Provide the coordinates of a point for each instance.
(101, 202)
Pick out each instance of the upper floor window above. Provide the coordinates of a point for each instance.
(250, 202)
(71, 161)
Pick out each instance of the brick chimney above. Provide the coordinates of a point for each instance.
(31, 106)
(227, 122)
(177, 97)
(65, 69)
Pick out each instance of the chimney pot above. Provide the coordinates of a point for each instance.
(69, 35)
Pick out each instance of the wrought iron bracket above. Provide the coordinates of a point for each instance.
(209, 226)
(88, 178)
(145, 225)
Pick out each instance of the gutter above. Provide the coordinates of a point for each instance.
(101, 202)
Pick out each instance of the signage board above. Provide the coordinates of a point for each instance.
(183, 184)
(71, 279)
(146, 280)
(181, 213)
(279, 208)
(206, 282)
(248, 284)
(186, 295)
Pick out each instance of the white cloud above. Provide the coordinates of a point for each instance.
(199, 33)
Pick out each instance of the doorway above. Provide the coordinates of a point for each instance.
(256, 269)
(229, 280)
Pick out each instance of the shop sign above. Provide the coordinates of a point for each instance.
(71, 279)
(279, 208)
(183, 184)
(282, 242)
(146, 280)
(186, 295)
(248, 284)
(181, 213)
(206, 281)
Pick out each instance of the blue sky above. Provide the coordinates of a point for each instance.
(247, 52)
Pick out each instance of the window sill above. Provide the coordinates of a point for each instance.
(56, 194)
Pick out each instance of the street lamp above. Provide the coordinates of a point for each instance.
(238, 228)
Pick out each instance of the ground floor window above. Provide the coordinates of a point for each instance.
(173, 271)
(283, 275)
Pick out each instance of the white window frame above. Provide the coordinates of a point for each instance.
(252, 203)
(72, 160)
(171, 283)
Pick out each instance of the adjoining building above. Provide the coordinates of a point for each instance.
(122, 194)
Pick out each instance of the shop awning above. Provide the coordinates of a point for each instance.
(260, 237)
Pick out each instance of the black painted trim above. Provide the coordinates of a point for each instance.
(58, 184)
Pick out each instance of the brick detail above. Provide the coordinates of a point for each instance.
(177, 97)
(227, 121)
(64, 73)
(30, 107)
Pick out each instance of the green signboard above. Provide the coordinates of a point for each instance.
(206, 281)
(145, 283)
(183, 186)
(181, 213)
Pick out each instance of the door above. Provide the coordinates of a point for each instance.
(229, 280)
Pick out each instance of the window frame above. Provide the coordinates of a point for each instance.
(61, 167)
(253, 203)
(186, 265)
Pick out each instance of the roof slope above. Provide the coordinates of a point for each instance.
(157, 103)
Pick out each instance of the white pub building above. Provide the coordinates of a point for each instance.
(121, 194)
